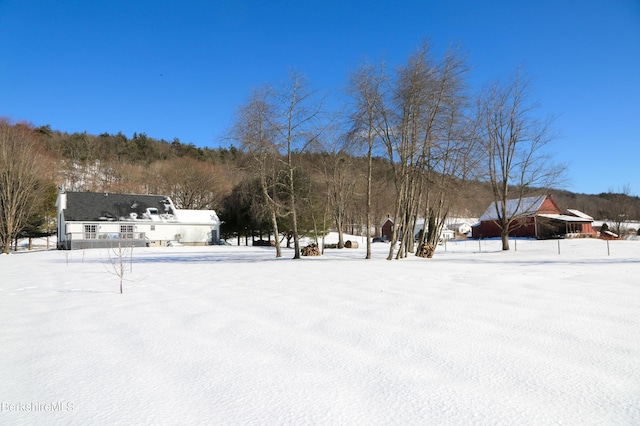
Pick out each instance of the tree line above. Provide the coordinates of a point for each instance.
(434, 135)
(409, 143)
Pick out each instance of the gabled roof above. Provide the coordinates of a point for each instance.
(578, 213)
(515, 208)
(95, 206)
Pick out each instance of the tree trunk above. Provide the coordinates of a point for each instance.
(294, 216)
(505, 240)
(504, 235)
(274, 224)
(340, 236)
(369, 175)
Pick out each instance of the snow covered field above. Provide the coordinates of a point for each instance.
(230, 335)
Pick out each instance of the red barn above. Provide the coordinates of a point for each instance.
(535, 217)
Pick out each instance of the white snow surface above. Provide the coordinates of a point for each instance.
(230, 335)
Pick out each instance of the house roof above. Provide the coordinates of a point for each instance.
(95, 206)
(578, 213)
(515, 207)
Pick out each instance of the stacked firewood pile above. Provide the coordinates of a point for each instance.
(426, 250)
(311, 250)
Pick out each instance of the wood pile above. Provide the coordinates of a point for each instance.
(311, 250)
(426, 250)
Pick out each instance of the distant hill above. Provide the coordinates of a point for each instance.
(118, 151)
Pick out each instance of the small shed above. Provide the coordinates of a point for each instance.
(608, 235)
(387, 229)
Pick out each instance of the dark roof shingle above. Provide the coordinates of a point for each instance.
(93, 206)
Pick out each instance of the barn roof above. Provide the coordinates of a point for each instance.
(516, 207)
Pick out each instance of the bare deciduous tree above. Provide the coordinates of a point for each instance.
(117, 257)
(419, 126)
(366, 92)
(20, 191)
(448, 159)
(194, 184)
(254, 131)
(295, 121)
(514, 143)
(340, 182)
(619, 209)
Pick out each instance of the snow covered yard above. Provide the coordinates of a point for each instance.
(231, 335)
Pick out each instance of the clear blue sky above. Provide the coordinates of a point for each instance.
(180, 69)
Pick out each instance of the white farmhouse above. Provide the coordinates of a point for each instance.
(445, 233)
(461, 226)
(94, 220)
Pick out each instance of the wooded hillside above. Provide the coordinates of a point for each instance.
(218, 178)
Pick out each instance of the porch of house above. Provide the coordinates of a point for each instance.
(83, 240)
